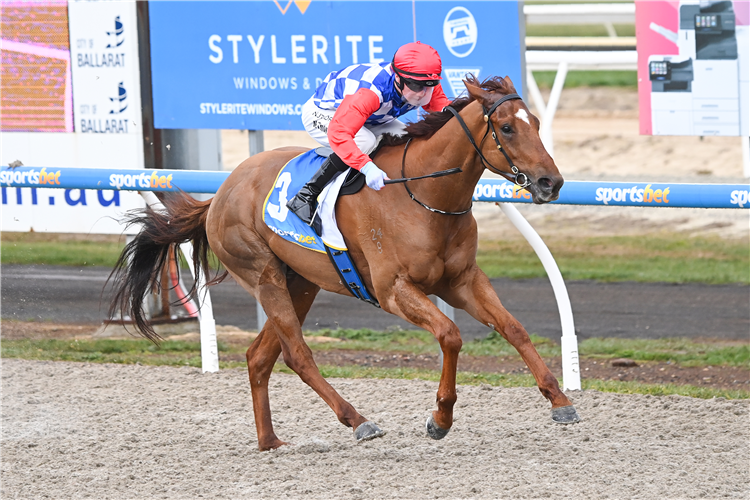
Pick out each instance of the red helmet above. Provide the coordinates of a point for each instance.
(418, 61)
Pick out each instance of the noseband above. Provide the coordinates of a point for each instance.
(516, 176)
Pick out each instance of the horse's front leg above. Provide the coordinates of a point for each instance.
(480, 300)
(415, 307)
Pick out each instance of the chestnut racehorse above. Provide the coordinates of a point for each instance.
(419, 249)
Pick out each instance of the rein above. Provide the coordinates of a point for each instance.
(516, 177)
(439, 174)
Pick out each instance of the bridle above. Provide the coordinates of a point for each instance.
(517, 177)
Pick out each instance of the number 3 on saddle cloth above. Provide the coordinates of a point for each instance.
(324, 235)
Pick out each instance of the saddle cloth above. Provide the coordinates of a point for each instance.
(277, 217)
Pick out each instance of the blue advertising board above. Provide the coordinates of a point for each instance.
(253, 64)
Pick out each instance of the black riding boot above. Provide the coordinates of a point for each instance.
(303, 204)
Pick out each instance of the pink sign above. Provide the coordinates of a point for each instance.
(693, 67)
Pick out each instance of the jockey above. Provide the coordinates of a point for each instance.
(353, 107)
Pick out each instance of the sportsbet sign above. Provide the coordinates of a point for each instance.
(252, 65)
(26, 183)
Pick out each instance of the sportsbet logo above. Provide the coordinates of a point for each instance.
(506, 191)
(634, 194)
(739, 198)
(142, 180)
(41, 177)
(299, 238)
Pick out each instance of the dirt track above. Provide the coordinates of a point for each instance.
(112, 431)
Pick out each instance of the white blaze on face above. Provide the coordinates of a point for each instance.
(523, 115)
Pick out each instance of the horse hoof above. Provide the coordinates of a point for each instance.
(565, 415)
(434, 431)
(367, 431)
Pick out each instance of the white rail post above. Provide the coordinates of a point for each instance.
(536, 94)
(568, 341)
(551, 109)
(209, 346)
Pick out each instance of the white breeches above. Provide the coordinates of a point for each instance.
(316, 122)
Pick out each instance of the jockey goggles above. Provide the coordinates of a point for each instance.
(417, 85)
(414, 84)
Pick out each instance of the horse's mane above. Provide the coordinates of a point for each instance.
(433, 122)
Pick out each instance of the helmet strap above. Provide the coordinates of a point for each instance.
(400, 81)
(400, 84)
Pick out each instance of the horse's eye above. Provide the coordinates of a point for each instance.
(506, 129)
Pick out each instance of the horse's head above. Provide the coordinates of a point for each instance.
(514, 129)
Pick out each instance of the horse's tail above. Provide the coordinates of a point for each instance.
(138, 270)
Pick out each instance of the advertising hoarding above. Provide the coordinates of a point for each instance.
(106, 76)
(602, 193)
(251, 65)
(693, 70)
(77, 105)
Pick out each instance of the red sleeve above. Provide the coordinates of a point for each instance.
(438, 101)
(349, 118)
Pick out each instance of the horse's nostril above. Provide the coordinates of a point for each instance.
(545, 183)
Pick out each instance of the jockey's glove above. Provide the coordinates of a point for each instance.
(374, 176)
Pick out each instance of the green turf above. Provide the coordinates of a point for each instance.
(578, 30)
(678, 350)
(669, 258)
(580, 78)
(67, 253)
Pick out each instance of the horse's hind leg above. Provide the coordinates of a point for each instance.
(481, 301)
(286, 302)
(262, 355)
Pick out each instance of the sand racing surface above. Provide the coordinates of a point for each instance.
(73, 430)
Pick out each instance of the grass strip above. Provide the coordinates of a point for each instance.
(59, 253)
(676, 350)
(169, 353)
(667, 258)
(682, 351)
(178, 353)
(580, 78)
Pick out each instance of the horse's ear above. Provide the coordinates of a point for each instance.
(477, 93)
(511, 87)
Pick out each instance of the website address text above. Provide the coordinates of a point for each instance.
(235, 108)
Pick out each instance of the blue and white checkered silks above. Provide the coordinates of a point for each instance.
(377, 77)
